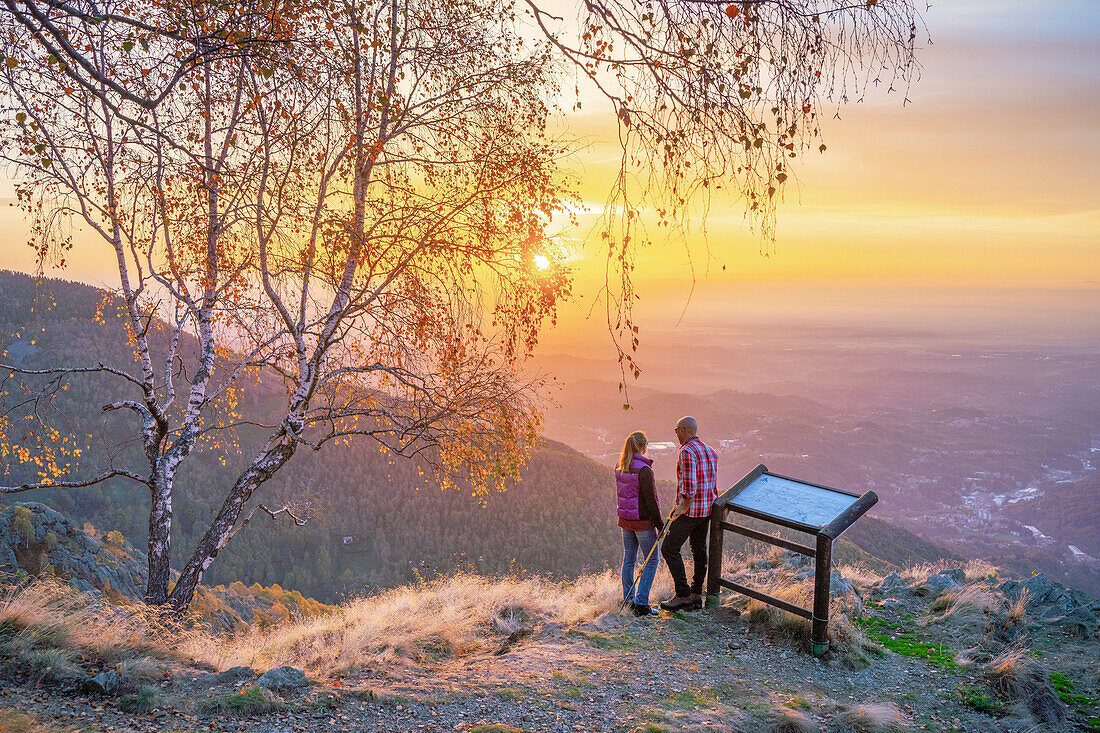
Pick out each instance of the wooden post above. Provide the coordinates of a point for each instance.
(714, 562)
(819, 642)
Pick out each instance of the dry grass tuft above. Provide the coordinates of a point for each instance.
(979, 570)
(786, 720)
(46, 626)
(798, 592)
(965, 604)
(454, 616)
(923, 571)
(1015, 676)
(15, 722)
(874, 718)
(1016, 614)
(975, 570)
(143, 669)
(862, 577)
(1010, 673)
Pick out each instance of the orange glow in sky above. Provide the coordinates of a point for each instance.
(986, 179)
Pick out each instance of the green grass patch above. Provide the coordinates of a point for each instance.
(512, 693)
(1092, 724)
(252, 700)
(688, 699)
(798, 702)
(142, 702)
(1064, 688)
(978, 698)
(569, 686)
(893, 637)
(607, 641)
(650, 726)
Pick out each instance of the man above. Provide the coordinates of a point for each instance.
(696, 490)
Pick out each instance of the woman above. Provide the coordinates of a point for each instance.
(640, 520)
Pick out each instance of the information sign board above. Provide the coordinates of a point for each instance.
(819, 511)
(797, 501)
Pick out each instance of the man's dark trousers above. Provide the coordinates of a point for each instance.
(682, 528)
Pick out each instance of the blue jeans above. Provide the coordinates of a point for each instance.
(636, 546)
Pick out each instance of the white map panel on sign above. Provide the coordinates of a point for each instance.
(782, 497)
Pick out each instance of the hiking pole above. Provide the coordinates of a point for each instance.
(641, 569)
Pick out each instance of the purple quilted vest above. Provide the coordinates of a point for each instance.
(626, 487)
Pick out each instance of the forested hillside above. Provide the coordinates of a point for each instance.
(376, 520)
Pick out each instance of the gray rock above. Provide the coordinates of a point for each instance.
(284, 679)
(892, 604)
(937, 585)
(956, 574)
(1041, 590)
(1051, 601)
(104, 683)
(83, 586)
(234, 675)
(797, 560)
(892, 583)
(841, 586)
(1080, 622)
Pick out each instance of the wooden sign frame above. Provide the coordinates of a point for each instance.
(821, 553)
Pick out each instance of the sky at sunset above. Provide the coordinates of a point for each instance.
(986, 182)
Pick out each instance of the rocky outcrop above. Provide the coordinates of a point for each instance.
(36, 539)
(940, 583)
(1055, 604)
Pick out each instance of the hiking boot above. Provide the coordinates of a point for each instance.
(643, 609)
(676, 603)
(696, 602)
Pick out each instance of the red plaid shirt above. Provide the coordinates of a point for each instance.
(697, 477)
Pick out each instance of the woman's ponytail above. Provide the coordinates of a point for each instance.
(634, 443)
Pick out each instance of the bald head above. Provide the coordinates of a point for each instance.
(687, 427)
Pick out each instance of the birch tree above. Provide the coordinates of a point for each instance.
(353, 198)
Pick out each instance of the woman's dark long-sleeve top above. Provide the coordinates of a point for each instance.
(649, 511)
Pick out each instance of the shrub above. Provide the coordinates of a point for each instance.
(22, 525)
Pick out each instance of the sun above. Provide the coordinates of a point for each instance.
(542, 262)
